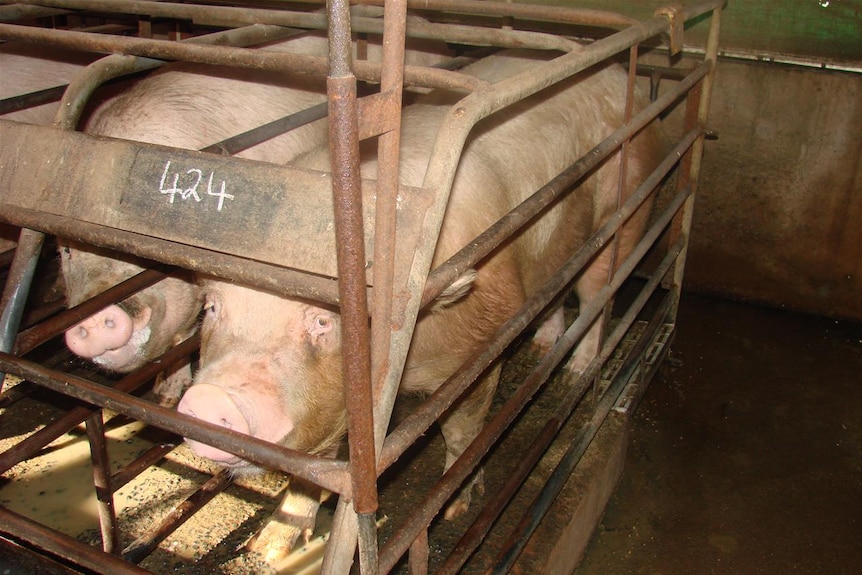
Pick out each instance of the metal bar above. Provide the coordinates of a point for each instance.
(328, 473)
(228, 56)
(697, 113)
(149, 458)
(143, 546)
(488, 241)
(20, 528)
(31, 445)
(117, 65)
(522, 11)
(482, 525)
(350, 251)
(17, 288)
(276, 279)
(39, 334)
(398, 544)
(102, 482)
(416, 423)
(519, 537)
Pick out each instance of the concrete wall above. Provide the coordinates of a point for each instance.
(779, 213)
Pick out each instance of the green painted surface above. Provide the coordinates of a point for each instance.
(827, 30)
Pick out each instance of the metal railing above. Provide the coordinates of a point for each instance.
(403, 281)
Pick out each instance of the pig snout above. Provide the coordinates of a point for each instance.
(106, 333)
(213, 404)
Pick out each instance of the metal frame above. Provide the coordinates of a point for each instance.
(402, 285)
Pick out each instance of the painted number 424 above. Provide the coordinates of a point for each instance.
(192, 185)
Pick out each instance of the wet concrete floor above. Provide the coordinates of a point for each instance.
(745, 458)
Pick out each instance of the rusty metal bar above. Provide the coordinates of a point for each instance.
(227, 56)
(118, 65)
(519, 537)
(398, 544)
(17, 288)
(697, 113)
(417, 422)
(101, 465)
(386, 203)
(350, 251)
(488, 241)
(20, 528)
(35, 336)
(328, 473)
(143, 546)
(149, 458)
(482, 525)
(275, 279)
(31, 445)
(13, 103)
(523, 11)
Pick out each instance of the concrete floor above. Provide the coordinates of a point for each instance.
(747, 456)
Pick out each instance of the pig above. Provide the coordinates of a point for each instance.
(270, 366)
(191, 106)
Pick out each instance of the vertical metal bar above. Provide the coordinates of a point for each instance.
(697, 102)
(395, 22)
(350, 242)
(18, 288)
(102, 482)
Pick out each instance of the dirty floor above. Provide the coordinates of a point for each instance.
(746, 458)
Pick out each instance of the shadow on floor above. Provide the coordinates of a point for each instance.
(747, 456)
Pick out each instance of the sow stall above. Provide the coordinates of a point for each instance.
(55, 181)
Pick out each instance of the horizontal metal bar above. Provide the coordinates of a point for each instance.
(31, 445)
(33, 337)
(330, 474)
(485, 243)
(18, 527)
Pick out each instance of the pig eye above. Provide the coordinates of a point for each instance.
(321, 325)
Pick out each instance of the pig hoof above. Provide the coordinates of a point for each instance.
(276, 540)
(462, 502)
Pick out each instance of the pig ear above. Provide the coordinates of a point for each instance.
(457, 290)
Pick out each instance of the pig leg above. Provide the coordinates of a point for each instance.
(460, 427)
(294, 517)
(592, 280)
(551, 329)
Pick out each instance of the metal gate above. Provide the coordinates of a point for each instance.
(403, 282)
